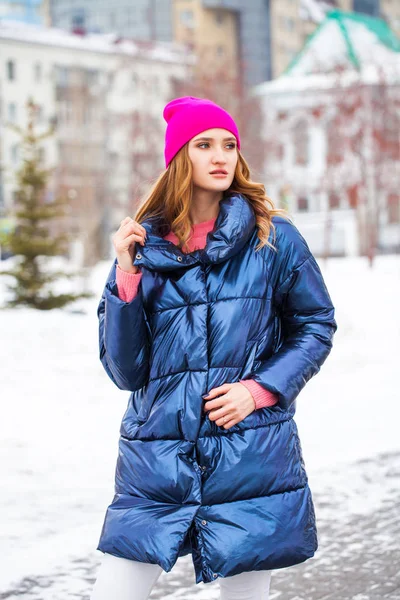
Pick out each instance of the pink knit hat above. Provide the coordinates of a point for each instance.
(189, 116)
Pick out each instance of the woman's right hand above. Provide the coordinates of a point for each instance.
(129, 233)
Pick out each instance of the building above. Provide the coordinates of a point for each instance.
(385, 9)
(234, 30)
(27, 11)
(212, 34)
(294, 21)
(331, 136)
(390, 11)
(106, 98)
(368, 7)
(142, 20)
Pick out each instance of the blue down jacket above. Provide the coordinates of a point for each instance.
(237, 499)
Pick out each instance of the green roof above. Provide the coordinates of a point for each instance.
(344, 21)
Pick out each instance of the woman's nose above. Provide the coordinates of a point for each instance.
(219, 157)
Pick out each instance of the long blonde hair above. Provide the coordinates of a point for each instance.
(170, 197)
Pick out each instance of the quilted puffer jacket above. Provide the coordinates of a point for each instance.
(237, 499)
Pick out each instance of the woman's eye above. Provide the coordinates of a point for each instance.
(230, 146)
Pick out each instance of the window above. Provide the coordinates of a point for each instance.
(85, 114)
(39, 113)
(335, 142)
(302, 203)
(334, 200)
(41, 155)
(10, 70)
(388, 135)
(352, 196)
(14, 153)
(12, 112)
(78, 19)
(288, 23)
(92, 77)
(393, 208)
(135, 81)
(64, 112)
(219, 17)
(62, 76)
(49, 196)
(187, 18)
(37, 72)
(301, 143)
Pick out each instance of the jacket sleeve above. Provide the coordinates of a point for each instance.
(306, 325)
(123, 337)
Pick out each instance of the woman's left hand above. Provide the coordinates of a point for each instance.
(233, 404)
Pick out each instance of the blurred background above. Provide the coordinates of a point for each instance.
(315, 89)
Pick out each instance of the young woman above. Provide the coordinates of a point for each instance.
(214, 316)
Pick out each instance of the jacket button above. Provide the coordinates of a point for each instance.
(204, 522)
(203, 468)
(215, 575)
(138, 255)
(180, 258)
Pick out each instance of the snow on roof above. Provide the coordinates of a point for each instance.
(109, 43)
(312, 10)
(346, 39)
(371, 74)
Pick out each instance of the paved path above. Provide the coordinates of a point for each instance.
(358, 519)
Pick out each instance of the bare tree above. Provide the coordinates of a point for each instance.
(82, 175)
(222, 82)
(363, 151)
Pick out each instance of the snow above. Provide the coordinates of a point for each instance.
(61, 414)
(311, 9)
(105, 43)
(386, 74)
(317, 66)
(328, 49)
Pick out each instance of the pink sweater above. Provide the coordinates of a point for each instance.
(128, 283)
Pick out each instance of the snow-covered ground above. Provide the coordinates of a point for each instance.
(61, 414)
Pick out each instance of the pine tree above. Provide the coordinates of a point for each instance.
(32, 241)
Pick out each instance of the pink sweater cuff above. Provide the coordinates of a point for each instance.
(262, 397)
(127, 284)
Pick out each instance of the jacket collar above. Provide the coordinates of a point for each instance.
(232, 229)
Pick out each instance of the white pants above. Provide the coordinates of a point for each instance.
(123, 579)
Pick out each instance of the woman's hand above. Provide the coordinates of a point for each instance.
(124, 241)
(233, 404)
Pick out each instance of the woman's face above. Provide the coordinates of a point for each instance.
(213, 154)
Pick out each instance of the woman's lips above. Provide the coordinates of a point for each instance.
(221, 175)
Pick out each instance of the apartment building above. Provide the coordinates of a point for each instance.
(230, 30)
(390, 11)
(213, 36)
(106, 99)
(27, 11)
(368, 7)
